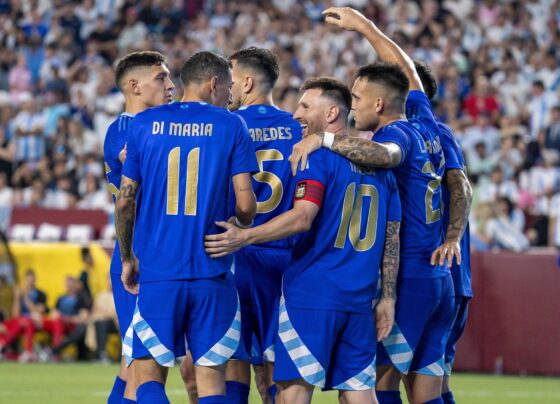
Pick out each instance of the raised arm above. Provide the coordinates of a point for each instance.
(460, 206)
(245, 200)
(296, 220)
(125, 216)
(363, 152)
(388, 51)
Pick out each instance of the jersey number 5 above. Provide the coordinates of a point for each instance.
(173, 164)
(351, 221)
(269, 178)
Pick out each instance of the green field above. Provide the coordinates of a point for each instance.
(88, 383)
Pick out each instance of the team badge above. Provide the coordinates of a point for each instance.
(300, 190)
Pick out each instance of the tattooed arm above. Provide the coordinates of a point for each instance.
(459, 209)
(245, 200)
(363, 152)
(125, 216)
(385, 309)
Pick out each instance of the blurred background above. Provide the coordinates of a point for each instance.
(497, 67)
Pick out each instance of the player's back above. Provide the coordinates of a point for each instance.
(114, 142)
(184, 155)
(454, 159)
(335, 265)
(274, 133)
(419, 177)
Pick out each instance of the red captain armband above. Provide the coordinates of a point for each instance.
(310, 190)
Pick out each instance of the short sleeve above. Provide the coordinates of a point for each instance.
(113, 166)
(394, 213)
(311, 183)
(418, 106)
(243, 158)
(451, 150)
(391, 134)
(131, 167)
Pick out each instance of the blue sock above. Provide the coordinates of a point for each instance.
(448, 398)
(237, 393)
(438, 400)
(272, 391)
(213, 400)
(151, 393)
(117, 392)
(127, 401)
(389, 397)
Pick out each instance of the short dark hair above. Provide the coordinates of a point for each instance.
(261, 60)
(135, 60)
(332, 88)
(388, 75)
(202, 66)
(427, 78)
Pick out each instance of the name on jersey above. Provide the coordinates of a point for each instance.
(431, 146)
(268, 134)
(361, 170)
(181, 129)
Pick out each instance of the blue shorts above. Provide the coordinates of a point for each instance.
(124, 305)
(258, 278)
(460, 321)
(326, 348)
(202, 314)
(423, 318)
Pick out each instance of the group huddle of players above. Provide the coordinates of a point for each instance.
(343, 246)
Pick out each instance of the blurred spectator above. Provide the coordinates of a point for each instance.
(539, 108)
(551, 134)
(28, 127)
(103, 322)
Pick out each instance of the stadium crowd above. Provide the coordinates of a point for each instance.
(496, 63)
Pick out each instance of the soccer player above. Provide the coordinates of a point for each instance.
(184, 155)
(424, 310)
(259, 268)
(144, 80)
(349, 217)
(457, 196)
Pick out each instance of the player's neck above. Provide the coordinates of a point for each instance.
(134, 107)
(389, 119)
(258, 99)
(337, 129)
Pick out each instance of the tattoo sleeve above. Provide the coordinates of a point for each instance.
(390, 265)
(460, 203)
(365, 152)
(125, 216)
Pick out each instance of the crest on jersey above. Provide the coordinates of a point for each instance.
(300, 190)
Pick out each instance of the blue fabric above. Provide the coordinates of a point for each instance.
(272, 390)
(117, 392)
(237, 393)
(273, 133)
(127, 401)
(461, 312)
(389, 397)
(342, 251)
(151, 393)
(454, 160)
(448, 398)
(166, 145)
(438, 400)
(418, 177)
(213, 400)
(124, 303)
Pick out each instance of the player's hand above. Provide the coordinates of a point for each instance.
(220, 245)
(302, 150)
(122, 154)
(129, 275)
(384, 317)
(346, 18)
(449, 249)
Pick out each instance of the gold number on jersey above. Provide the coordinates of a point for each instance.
(269, 178)
(432, 215)
(350, 223)
(173, 164)
(112, 187)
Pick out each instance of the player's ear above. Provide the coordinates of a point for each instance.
(248, 84)
(134, 87)
(333, 113)
(379, 104)
(213, 83)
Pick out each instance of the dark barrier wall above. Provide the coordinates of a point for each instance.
(514, 323)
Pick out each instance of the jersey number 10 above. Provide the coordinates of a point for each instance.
(173, 164)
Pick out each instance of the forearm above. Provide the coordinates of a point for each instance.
(390, 265)
(364, 152)
(125, 216)
(460, 204)
(282, 226)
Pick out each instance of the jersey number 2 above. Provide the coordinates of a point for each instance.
(350, 224)
(173, 164)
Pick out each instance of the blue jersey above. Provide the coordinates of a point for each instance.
(184, 155)
(454, 160)
(419, 177)
(274, 132)
(115, 140)
(336, 264)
